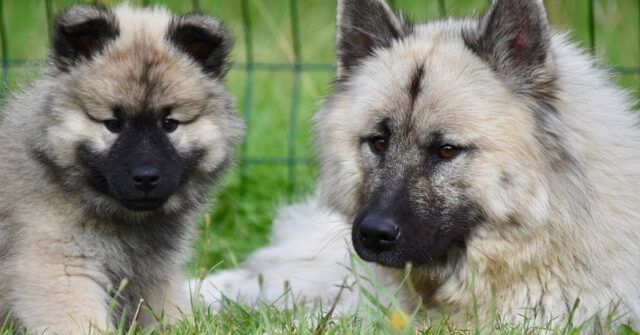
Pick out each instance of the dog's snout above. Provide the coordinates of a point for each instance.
(145, 178)
(378, 233)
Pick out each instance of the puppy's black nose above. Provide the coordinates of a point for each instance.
(145, 178)
(378, 233)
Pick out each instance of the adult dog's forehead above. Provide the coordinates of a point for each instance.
(434, 83)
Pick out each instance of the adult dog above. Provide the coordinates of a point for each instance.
(492, 155)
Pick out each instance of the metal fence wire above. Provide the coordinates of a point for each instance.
(297, 66)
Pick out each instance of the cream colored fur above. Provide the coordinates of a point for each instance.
(550, 236)
(63, 244)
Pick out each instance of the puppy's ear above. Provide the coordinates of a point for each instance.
(204, 39)
(363, 26)
(514, 38)
(81, 32)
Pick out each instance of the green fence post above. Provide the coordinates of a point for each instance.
(442, 8)
(295, 96)
(592, 28)
(48, 11)
(5, 52)
(248, 88)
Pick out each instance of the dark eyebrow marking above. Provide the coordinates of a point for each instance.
(416, 84)
(383, 127)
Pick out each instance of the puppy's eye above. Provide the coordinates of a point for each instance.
(113, 125)
(379, 144)
(447, 151)
(170, 125)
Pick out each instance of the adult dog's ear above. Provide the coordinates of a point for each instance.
(81, 32)
(204, 39)
(363, 26)
(514, 38)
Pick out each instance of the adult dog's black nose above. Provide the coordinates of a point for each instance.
(378, 233)
(145, 178)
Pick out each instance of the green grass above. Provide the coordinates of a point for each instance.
(239, 221)
(372, 317)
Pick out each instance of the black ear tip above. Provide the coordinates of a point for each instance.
(205, 39)
(79, 13)
(80, 32)
(525, 9)
(514, 38)
(362, 27)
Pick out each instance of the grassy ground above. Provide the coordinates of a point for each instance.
(273, 165)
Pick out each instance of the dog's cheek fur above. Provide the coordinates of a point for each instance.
(208, 137)
(68, 129)
(508, 178)
(348, 115)
(512, 198)
(339, 150)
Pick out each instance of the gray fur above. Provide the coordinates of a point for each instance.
(526, 206)
(537, 206)
(62, 241)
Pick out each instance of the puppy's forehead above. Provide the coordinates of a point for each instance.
(148, 23)
(142, 72)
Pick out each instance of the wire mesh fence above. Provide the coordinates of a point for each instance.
(242, 16)
(283, 65)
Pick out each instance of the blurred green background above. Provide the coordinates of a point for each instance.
(283, 67)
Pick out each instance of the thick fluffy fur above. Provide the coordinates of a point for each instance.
(297, 261)
(106, 160)
(309, 261)
(490, 149)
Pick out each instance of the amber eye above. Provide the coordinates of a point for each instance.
(379, 144)
(446, 151)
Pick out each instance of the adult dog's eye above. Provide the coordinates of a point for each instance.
(447, 151)
(170, 125)
(379, 144)
(113, 125)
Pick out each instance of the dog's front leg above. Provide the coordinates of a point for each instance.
(58, 290)
(61, 305)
